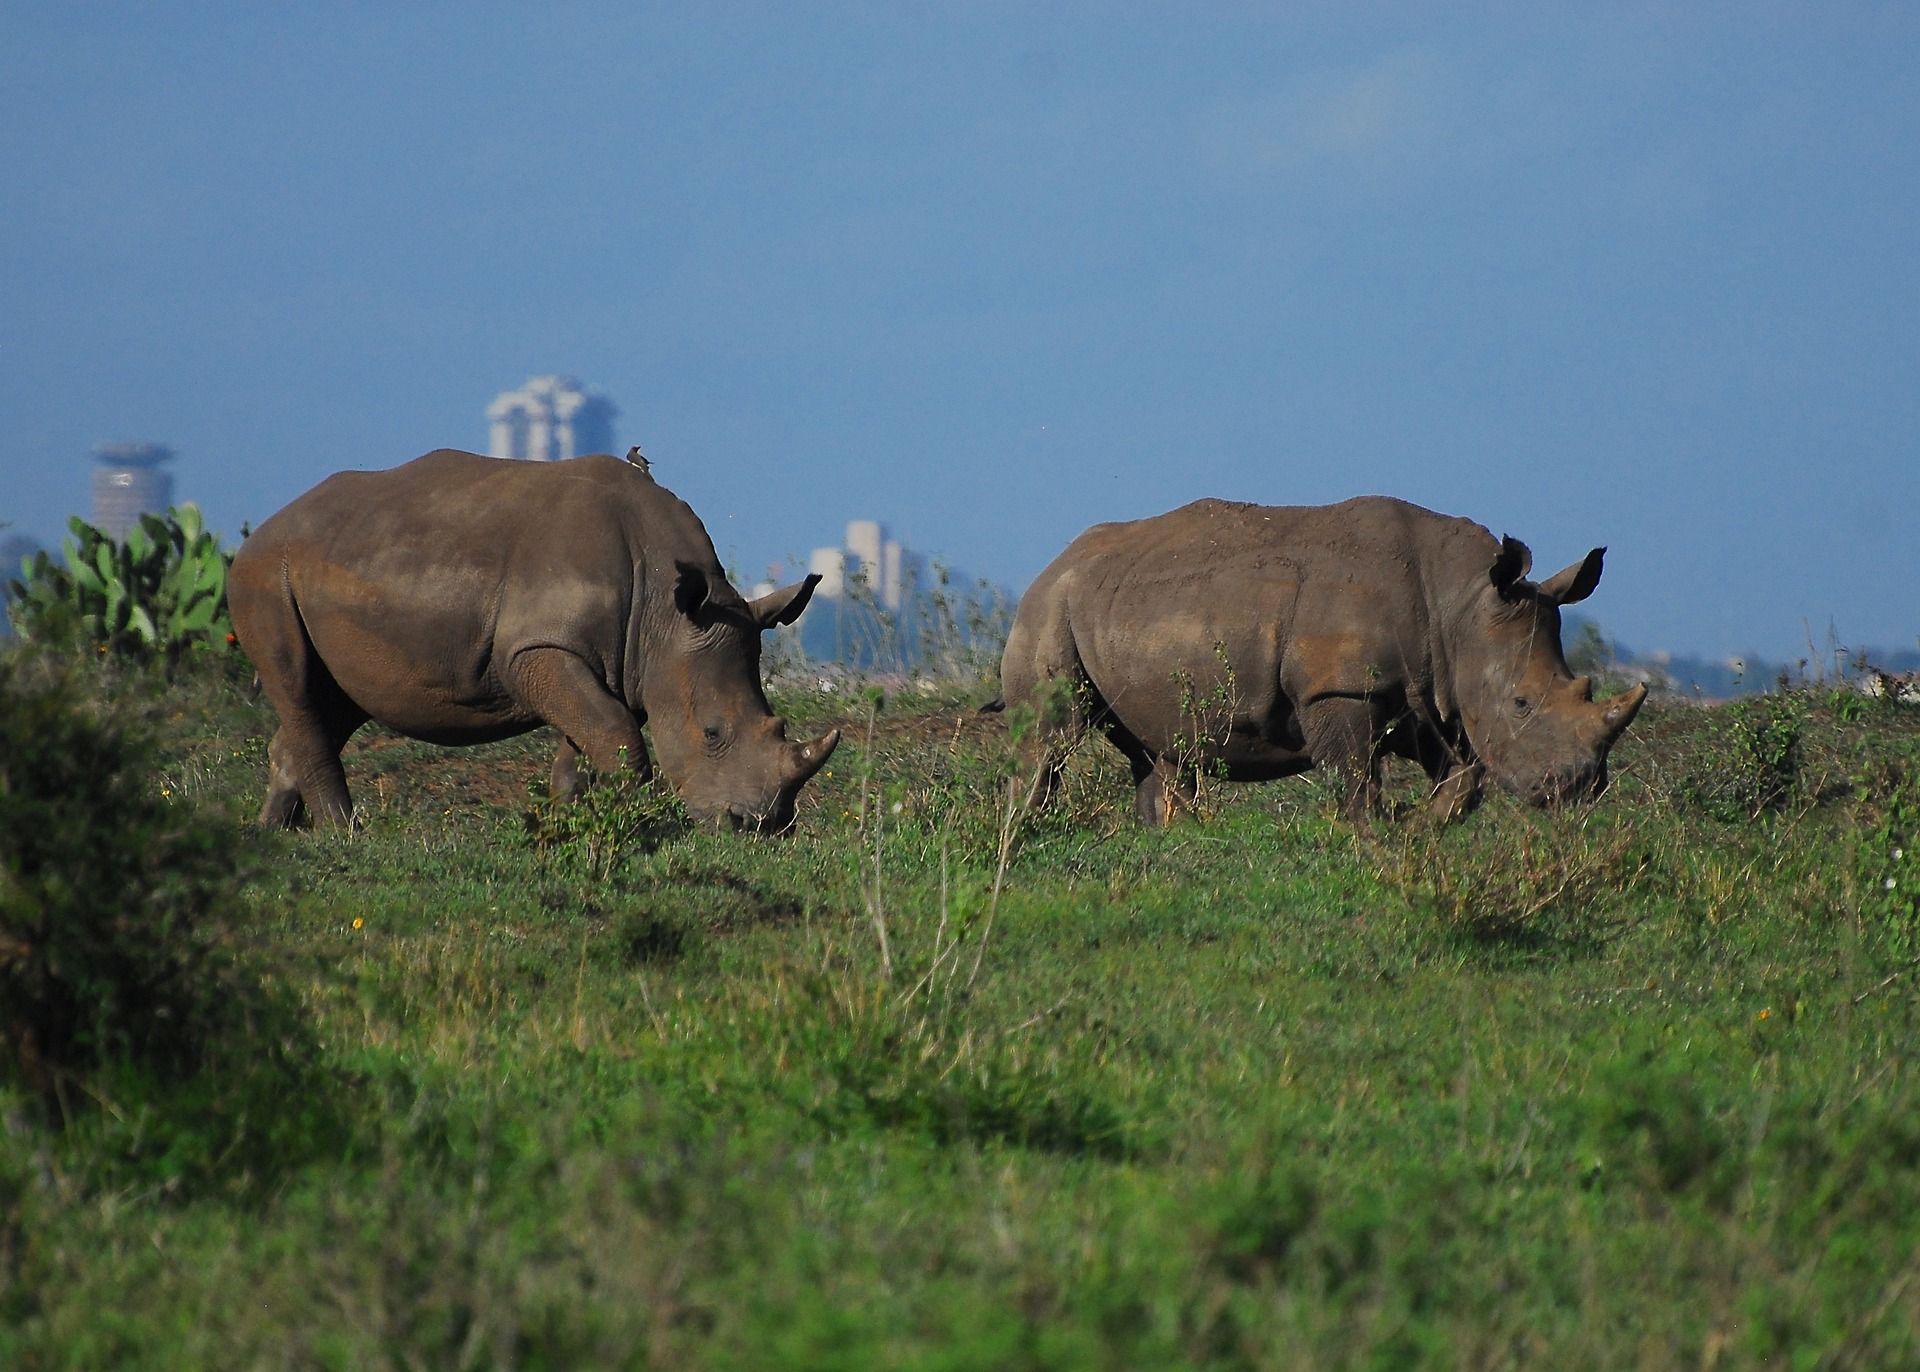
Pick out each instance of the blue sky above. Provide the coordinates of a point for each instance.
(1640, 276)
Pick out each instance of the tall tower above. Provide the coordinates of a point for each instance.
(127, 483)
(550, 419)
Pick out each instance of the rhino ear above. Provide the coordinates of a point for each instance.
(1576, 583)
(784, 605)
(1515, 560)
(690, 590)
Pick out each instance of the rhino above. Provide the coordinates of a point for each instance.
(462, 599)
(1260, 641)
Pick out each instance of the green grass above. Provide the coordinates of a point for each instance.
(1586, 1090)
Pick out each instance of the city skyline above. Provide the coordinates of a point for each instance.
(1641, 277)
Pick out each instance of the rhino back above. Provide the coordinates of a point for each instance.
(1304, 600)
(417, 583)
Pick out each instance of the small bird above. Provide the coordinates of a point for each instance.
(633, 456)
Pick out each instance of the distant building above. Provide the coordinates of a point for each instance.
(550, 419)
(127, 483)
(888, 568)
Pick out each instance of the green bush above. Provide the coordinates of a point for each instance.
(118, 959)
(162, 592)
(1755, 764)
(613, 818)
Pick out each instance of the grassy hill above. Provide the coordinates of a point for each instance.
(932, 1085)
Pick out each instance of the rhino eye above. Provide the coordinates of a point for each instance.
(1521, 704)
(712, 734)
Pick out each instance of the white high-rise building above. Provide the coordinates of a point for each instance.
(830, 565)
(550, 419)
(887, 566)
(127, 483)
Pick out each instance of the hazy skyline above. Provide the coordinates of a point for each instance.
(991, 273)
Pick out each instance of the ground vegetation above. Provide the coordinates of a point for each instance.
(937, 1083)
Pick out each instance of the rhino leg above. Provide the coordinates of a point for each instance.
(283, 807)
(561, 689)
(1343, 737)
(1060, 706)
(303, 761)
(564, 781)
(1041, 670)
(304, 771)
(1161, 789)
(1456, 794)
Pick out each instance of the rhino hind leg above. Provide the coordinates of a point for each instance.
(304, 775)
(283, 808)
(561, 689)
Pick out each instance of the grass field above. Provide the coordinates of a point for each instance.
(930, 1085)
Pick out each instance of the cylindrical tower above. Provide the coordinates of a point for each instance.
(127, 483)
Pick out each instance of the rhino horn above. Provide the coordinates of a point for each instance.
(809, 758)
(1616, 714)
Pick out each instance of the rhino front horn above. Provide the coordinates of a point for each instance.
(1618, 713)
(809, 758)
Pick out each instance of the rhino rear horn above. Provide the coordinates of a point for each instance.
(809, 758)
(784, 605)
(1576, 583)
(1514, 562)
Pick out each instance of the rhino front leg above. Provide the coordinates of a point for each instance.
(1456, 794)
(564, 781)
(1161, 790)
(1343, 738)
(561, 689)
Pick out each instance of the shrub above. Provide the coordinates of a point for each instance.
(117, 910)
(614, 816)
(161, 592)
(1754, 765)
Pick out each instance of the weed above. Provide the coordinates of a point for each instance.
(1206, 727)
(1544, 881)
(1756, 766)
(614, 818)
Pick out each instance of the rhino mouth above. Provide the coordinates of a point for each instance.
(1564, 787)
(775, 821)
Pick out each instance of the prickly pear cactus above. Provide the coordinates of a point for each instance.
(162, 592)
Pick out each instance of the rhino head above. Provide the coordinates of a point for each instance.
(1535, 725)
(716, 738)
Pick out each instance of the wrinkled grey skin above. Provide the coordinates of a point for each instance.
(462, 599)
(1263, 641)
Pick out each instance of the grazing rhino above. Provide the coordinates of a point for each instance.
(1258, 641)
(462, 599)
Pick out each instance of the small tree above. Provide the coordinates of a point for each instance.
(116, 906)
